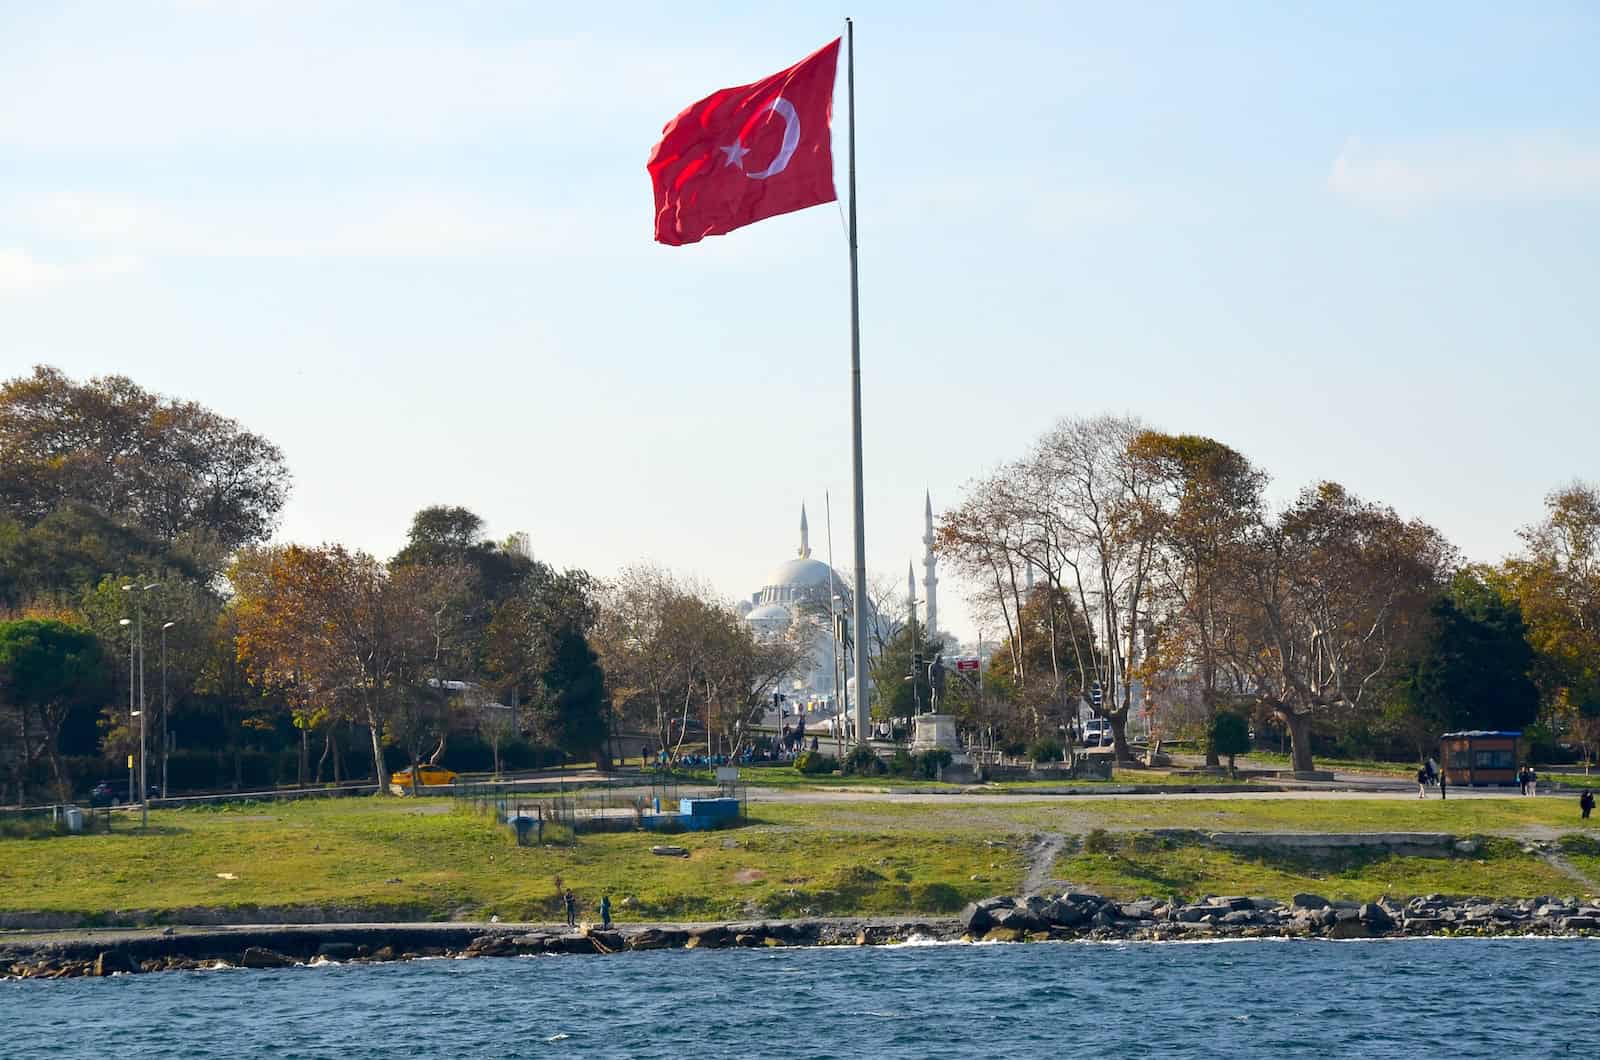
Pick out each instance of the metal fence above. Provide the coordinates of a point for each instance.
(38, 822)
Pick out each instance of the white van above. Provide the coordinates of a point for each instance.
(1097, 733)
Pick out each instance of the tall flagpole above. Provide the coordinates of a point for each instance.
(860, 636)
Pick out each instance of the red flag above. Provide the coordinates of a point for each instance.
(747, 153)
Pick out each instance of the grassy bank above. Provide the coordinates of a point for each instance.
(404, 859)
(1139, 864)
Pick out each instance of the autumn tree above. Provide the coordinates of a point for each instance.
(673, 652)
(1205, 497)
(327, 625)
(1556, 584)
(1334, 592)
(143, 471)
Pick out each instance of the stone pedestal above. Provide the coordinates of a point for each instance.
(931, 732)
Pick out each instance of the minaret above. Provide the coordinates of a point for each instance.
(911, 591)
(930, 578)
(805, 534)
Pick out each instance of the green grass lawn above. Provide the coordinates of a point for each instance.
(432, 859)
(398, 860)
(1142, 864)
(1274, 760)
(1509, 816)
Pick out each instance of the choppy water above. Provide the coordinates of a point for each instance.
(1519, 998)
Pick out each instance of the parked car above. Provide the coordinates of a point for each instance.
(1097, 733)
(427, 776)
(111, 792)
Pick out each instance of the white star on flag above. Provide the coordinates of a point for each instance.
(735, 152)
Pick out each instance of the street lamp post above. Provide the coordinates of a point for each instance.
(143, 712)
(165, 706)
(132, 713)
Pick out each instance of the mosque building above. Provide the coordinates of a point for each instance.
(797, 597)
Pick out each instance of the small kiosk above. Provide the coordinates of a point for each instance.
(1479, 756)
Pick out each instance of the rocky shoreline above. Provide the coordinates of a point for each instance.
(1070, 916)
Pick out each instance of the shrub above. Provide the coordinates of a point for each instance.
(1045, 750)
(930, 762)
(1229, 735)
(861, 761)
(904, 764)
(815, 763)
(936, 898)
(1099, 841)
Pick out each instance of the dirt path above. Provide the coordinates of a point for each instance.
(1041, 860)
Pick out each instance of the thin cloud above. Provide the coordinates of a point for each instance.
(22, 274)
(1467, 170)
(417, 226)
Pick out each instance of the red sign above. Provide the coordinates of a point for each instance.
(966, 664)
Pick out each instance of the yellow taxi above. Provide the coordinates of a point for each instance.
(427, 776)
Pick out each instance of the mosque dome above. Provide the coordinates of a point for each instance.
(802, 572)
(770, 618)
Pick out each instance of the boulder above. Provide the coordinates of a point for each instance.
(1194, 914)
(1239, 917)
(111, 962)
(1063, 913)
(1421, 925)
(1303, 900)
(708, 938)
(261, 957)
(1002, 934)
(492, 946)
(576, 944)
(978, 917)
(1141, 910)
(531, 943)
(1580, 923)
(1376, 917)
(657, 939)
(1019, 917)
(1352, 928)
(337, 951)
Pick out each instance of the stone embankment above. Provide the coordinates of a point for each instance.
(1066, 917)
(1076, 915)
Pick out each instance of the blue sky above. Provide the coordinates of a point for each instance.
(412, 246)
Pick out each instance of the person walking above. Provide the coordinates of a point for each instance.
(1444, 781)
(1422, 782)
(1522, 781)
(571, 904)
(1533, 782)
(605, 910)
(1586, 802)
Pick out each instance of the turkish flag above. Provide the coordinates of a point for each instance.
(747, 153)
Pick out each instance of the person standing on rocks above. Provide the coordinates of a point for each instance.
(571, 904)
(605, 910)
(1586, 803)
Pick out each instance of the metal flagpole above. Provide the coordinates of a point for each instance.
(861, 638)
(841, 698)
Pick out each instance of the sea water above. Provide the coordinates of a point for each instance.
(1495, 998)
